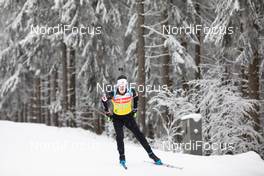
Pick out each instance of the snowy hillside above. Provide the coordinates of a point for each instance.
(33, 149)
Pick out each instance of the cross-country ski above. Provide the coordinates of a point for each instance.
(165, 165)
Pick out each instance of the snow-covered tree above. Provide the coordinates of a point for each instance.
(178, 106)
(226, 114)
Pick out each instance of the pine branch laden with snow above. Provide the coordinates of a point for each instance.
(22, 21)
(131, 25)
(225, 10)
(25, 43)
(55, 107)
(179, 54)
(5, 3)
(9, 86)
(57, 4)
(114, 15)
(101, 9)
(131, 51)
(177, 106)
(251, 27)
(244, 57)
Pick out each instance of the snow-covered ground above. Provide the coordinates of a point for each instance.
(39, 150)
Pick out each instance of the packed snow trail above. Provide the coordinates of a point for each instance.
(34, 149)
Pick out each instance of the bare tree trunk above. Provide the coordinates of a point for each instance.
(243, 74)
(71, 73)
(166, 59)
(32, 104)
(26, 113)
(20, 113)
(53, 94)
(72, 85)
(184, 80)
(43, 90)
(23, 112)
(141, 64)
(38, 99)
(48, 120)
(254, 87)
(98, 128)
(198, 46)
(185, 45)
(243, 84)
(64, 87)
(252, 33)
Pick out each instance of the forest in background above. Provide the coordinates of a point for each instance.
(53, 78)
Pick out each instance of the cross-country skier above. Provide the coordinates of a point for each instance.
(125, 102)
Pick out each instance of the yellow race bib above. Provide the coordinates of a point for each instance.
(122, 104)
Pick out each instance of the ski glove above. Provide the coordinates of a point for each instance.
(134, 113)
(109, 116)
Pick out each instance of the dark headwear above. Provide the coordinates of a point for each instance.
(121, 77)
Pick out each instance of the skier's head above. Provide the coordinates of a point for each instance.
(122, 84)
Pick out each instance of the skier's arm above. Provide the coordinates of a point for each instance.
(135, 98)
(105, 99)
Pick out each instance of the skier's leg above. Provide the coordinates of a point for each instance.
(131, 124)
(118, 125)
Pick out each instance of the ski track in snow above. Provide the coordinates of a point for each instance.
(38, 150)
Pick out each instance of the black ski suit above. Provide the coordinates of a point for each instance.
(128, 121)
